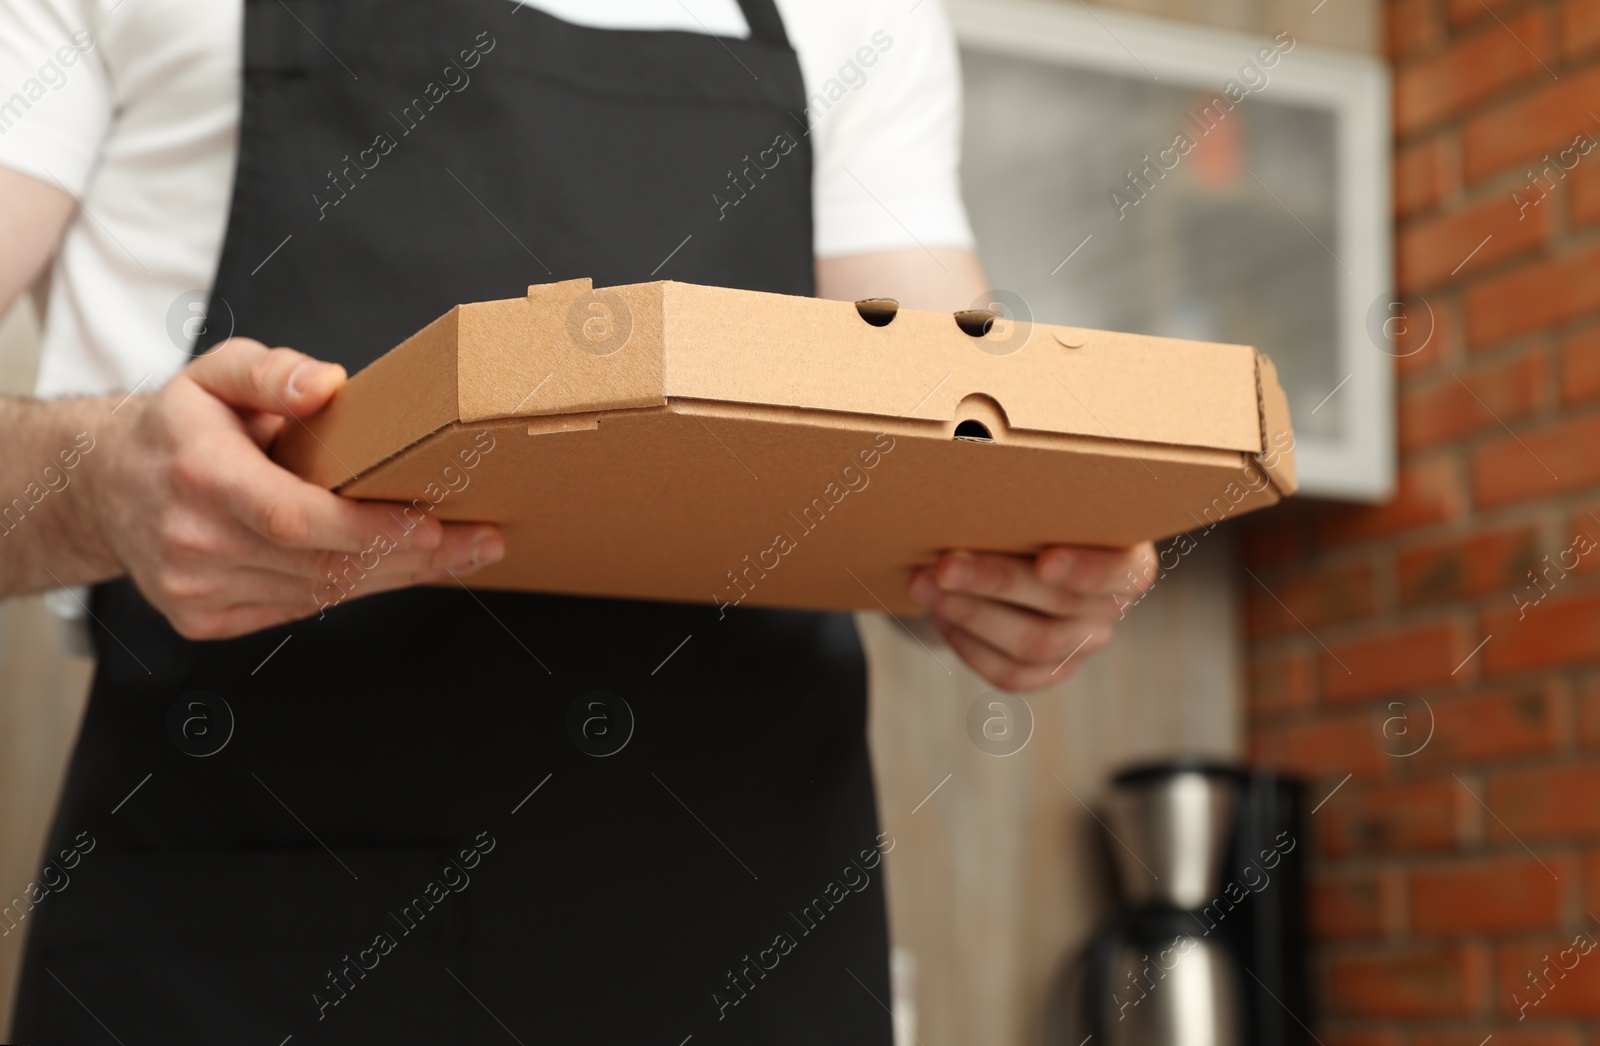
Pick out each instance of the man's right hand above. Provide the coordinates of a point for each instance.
(222, 540)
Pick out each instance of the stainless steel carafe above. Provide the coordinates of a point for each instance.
(1160, 973)
(1170, 832)
(1167, 987)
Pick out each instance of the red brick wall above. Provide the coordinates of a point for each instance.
(1444, 876)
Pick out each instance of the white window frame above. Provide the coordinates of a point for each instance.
(1360, 464)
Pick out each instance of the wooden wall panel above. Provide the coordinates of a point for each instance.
(995, 879)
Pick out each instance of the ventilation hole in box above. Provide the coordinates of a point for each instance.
(880, 312)
(975, 323)
(974, 430)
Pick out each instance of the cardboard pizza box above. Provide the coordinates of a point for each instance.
(679, 442)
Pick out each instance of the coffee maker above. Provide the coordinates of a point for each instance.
(1208, 947)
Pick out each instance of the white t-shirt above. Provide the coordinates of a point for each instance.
(133, 107)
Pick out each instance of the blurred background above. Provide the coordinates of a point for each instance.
(1417, 637)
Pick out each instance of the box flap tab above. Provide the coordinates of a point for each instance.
(565, 348)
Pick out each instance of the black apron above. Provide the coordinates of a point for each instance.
(438, 816)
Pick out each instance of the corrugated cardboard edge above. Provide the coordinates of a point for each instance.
(1277, 432)
(403, 397)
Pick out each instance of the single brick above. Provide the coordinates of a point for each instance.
(1417, 981)
(1479, 895)
(1531, 983)
(1470, 70)
(1502, 1037)
(1395, 660)
(1426, 174)
(1547, 802)
(1459, 243)
(1351, 907)
(1457, 568)
(1559, 630)
(1534, 297)
(1405, 817)
(1466, 401)
(1312, 599)
(1516, 135)
(1580, 27)
(1346, 744)
(1583, 188)
(1414, 26)
(1580, 365)
(1465, 12)
(1588, 713)
(1538, 463)
(1524, 720)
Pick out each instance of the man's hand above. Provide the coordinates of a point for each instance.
(1020, 623)
(223, 541)
(1024, 623)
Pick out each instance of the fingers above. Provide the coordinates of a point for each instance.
(262, 427)
(1008, 578)
(1002, 670)
(1024, 635)
(1098, 570)
(1060, 581)
(1023, 622)
(223, 541)
(248, 376)
(249, 598)
(464, 547)
(292, 513)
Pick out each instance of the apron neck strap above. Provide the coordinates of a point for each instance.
(766, 25)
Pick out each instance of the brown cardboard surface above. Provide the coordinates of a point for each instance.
(673, 441)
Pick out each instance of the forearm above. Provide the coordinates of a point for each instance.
(49, 531)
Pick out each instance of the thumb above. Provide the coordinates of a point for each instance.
(248, 376)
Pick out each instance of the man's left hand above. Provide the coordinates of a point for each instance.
(1024, 623)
